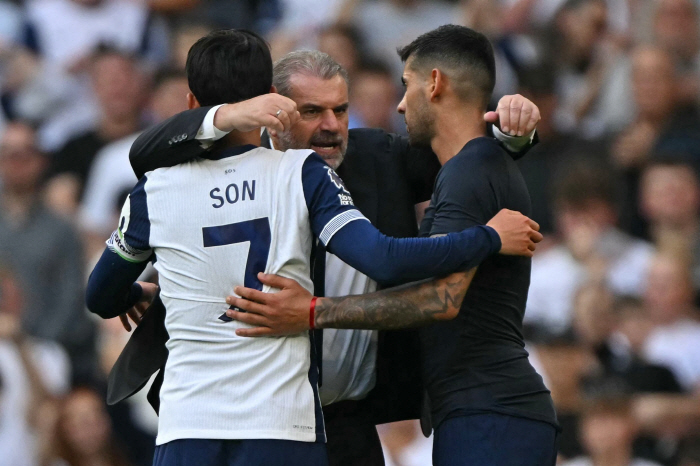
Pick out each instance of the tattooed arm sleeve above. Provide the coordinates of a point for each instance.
(411, 305)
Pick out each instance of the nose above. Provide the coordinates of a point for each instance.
(401, 108)
(329, 121)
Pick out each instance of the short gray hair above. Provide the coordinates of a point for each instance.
(307, 62)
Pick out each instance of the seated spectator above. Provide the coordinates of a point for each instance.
(664, 124)
(342, 42)
(120, 87)
(32, 372)
(389, 24)
(670, 203)
(374, 98)
(592, 75)
(607, 432)
(45, 253)
(615, 331)
(183, 37)
(676, 28)
(66, 32)
(111, 177)
(592, 248)
(83, 432)
(675, 341)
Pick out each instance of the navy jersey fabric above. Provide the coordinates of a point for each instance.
(477, 362)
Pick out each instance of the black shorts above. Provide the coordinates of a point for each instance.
(206, 452)
(493, 439)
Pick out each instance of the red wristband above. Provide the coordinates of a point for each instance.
(312, 313)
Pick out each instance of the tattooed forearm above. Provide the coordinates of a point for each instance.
(401, 307)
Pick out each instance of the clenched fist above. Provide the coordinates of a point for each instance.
(519, 235)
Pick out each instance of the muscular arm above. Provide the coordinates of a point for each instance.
(411, 305)
(287, 311)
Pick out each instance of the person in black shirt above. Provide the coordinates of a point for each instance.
(488, 405)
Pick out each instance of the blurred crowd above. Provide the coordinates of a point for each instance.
(612, 320)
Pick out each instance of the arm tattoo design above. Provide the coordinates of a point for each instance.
(411, 305)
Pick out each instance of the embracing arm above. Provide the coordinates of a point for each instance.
(111, 288)
(288, 311)
(192, 133)
(411, 305)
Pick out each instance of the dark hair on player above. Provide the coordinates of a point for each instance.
(464, 55)
(229, 66)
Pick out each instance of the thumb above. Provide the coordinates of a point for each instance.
(491, 117)
(275, 281)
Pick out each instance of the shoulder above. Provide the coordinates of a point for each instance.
(480, 153)
(481, 162)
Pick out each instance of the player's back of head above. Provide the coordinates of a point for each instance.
(461, 53)
(229, 66)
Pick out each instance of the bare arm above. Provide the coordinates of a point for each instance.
(287, 311)
(411, 305)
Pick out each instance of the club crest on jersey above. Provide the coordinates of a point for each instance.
(337, 181)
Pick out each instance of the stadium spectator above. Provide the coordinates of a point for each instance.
(552, 156)
(183, 37)
(389, 24)
(111, 177)
(675, 341)
(676, 26)
(614, 331)
(591, 76)
(665, 124)
(31, 371)
(65, 32)
(120, 87)
(373, 95)
(343, 43)
(670, 203)
(44, 252)
(607, 432)
(83, 432)
(592, 248)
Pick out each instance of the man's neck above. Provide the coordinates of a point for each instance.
(455, 128)
(236, 138)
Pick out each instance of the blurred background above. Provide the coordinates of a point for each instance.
(611, 323)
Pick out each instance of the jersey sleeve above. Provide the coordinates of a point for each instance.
(131, 238)
(330, 204)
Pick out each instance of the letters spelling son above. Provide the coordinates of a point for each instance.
(232, 194)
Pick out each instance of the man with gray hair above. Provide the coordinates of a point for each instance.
(368, 377)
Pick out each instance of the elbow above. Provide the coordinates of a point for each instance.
(451, 313)
(96, 303)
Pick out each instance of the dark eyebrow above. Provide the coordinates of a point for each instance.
(341, 108)
(311, 107)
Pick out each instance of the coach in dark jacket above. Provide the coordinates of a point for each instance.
(387, 179)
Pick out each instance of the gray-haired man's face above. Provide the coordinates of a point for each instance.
(323, 126)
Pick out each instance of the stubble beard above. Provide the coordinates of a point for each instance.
(288, 141)
(421, 129)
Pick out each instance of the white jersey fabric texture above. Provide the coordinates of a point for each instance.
(211, 223)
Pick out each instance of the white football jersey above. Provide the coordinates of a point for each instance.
(213, 225)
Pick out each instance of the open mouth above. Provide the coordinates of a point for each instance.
(326, 149)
